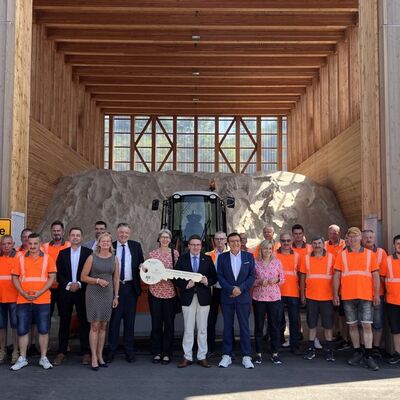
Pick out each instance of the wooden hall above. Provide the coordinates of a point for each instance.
(324, 72)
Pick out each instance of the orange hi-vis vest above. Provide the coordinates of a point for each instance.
(53, 251)
(356, 269)
(8, 292)
(319, 274)
(33, 275)
(335, 249)
(290, 265)
(303, 250)
(380, 258)
(391, 272)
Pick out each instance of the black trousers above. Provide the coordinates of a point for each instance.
(54, 295)
(66, 302)
(273, 311)
(126, 310)
(162, 325)
(212, 318)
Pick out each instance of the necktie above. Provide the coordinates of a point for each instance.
(195, 264)
(122, 274)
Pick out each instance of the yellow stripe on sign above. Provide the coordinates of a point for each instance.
(5, 226)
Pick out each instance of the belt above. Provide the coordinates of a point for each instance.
(126, 282)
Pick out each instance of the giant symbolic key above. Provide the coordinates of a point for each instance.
(153, 271)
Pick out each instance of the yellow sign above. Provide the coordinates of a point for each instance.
(5, 226)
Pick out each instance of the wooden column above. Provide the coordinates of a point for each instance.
(369, 119)
(15, 78)
(111, 143)
(258, 152)
(153, 143)
(132, 161)
(174, 141)
(389, 29)
(196, 145)
(279, 143)
(216, 148)
(237, 141)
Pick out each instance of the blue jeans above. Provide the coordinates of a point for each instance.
(30, 311)
(8, 310)
(293, 308)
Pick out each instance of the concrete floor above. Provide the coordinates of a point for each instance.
(295, 378)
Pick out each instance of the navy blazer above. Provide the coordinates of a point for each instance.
(64, 269)
(244, 281)
(206, 268)
(137, 258)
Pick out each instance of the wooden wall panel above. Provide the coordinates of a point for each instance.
(66, 133)
(331, 104)
(45, 150)
(338, 166)
(329, 110)
(59, 102)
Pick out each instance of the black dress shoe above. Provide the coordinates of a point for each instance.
(94, 368)
(130, 358)
(156, 359)
(165, 360)
(104, 365)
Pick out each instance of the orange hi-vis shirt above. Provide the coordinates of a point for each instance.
(290, 264)
(256, 250)
(381, 257)
(53, 251)
(335, 249)
(356, 269)
(391, 272)
(33, 275)
(319, 274)
(303, 250)
(8, 292)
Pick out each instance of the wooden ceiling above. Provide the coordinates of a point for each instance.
(196, 57)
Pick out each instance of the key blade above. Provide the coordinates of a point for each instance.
(177, 274)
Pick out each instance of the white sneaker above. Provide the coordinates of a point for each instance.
(246, 361)
(317, 344)
(225, 362)
(45, 363)
(21, 363)
(286, 343)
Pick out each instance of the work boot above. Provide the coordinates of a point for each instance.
(309, 354)
(356, 358)
(371, 363)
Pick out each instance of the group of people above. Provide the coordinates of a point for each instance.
(348, 284)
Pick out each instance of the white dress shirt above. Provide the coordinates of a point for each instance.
(75, 255)
(128, 261)
(236, 262)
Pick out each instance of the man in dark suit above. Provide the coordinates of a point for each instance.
(130, 256)
(195, 300)
(236, 275)
(70, 262)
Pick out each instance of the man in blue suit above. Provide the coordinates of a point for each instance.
(236, 275)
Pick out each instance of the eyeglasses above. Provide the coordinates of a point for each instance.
(165, 237)
(285, 240)
(219, 238)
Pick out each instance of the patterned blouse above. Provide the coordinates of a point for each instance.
(274, 271)
(163, 289)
